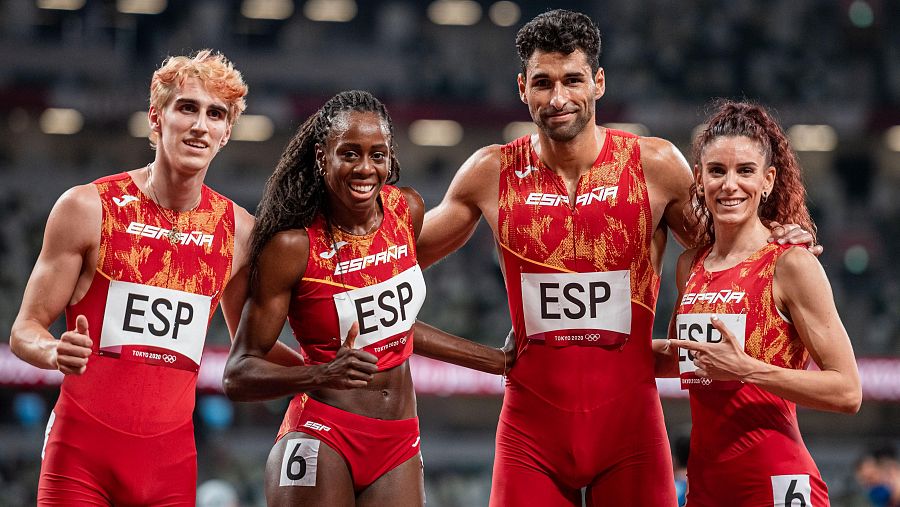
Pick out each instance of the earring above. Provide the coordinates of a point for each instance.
(390, 171)
(321, 168)
(700, 190)
(765, 196)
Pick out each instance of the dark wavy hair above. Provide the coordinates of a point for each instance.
(559, 31)
(787, 202)
(296, 193)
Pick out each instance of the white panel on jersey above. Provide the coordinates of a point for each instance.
(298, 466)
(791, 491)
(566, 301)
(138, 314)
(383, 310)
(698, 328)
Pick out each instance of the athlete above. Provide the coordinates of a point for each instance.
(139, 261)
(750, 314)
(334, 252)
(580, 215)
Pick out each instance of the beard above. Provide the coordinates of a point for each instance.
(565, 132)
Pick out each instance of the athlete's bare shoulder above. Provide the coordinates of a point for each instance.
(663, 163)
(669, 180)
(76, 216)
(478, 178)
(243, 227)
(416, 207)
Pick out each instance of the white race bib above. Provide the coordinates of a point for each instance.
(154, 325)
(577, 308)
(697, 327)
(383, 310)
(791, 491)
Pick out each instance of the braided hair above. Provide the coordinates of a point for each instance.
(295, 193)
(787, 201)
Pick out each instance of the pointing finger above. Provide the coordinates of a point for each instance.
(689, 345)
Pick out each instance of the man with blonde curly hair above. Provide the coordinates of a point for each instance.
(138, 261)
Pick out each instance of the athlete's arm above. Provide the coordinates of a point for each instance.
(803, 291)
(235, 293)
(71, 235)
(669, 180)
(432, 342)
(249, 375)
(446, 228)
(451, 223)
(664, 354)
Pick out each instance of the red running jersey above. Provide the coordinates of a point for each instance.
(149, 306)
(374, 280)
(578, 274)
(739, 429)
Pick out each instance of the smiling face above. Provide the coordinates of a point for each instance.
(733, 174)
(192, 127)
(561, 92)
(356, 158)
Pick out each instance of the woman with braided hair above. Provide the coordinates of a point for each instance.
(334, 252)
(749, 316)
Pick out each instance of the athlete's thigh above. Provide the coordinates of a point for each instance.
(72, 468)
(639, 483)
(513, 486)
(302, 470)
(401, 487)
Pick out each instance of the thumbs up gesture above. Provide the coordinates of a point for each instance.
(351, 368)
(74, 348)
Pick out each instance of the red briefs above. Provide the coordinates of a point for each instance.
(370, 447)
(89, 463)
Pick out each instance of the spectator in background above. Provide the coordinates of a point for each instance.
(878, 472)
(680, 452)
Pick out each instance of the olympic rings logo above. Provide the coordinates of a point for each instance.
(705, 381)
(592, 337)
(169, 358)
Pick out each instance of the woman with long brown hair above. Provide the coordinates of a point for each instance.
(749, 316)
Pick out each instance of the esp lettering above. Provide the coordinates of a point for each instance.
(162, 309)
(577, 303)
(696, 333)
(393, 303)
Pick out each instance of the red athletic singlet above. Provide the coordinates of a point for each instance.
(128, 417)
(581, 405)
(746, 448)
(373, 279)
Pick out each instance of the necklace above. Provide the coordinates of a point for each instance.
(372, 227)
(175, 230)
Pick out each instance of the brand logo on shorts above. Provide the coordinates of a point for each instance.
(316, 426)
(124, 200)
(329, 254)
(525, 172)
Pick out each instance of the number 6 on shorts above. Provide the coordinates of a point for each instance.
(298, 466)
(791, 491)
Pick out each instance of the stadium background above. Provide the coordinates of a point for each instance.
(74, 77)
